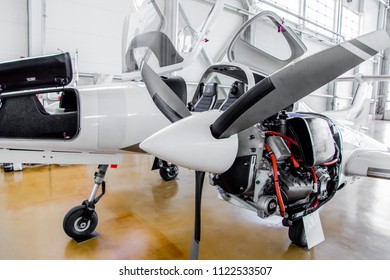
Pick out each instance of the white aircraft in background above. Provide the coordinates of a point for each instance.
(356, 115)
(260, 156)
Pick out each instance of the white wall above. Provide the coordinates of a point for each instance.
(93, 27)
(219, 39)
(370, 15)
(13, 29)
(345, 90)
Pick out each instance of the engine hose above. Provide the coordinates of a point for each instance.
(330, 162)
(294, 161)
(315, 188)
(316, 203)
(276, 180)
(315, 180)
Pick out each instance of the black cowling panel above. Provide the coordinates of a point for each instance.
(37, 72)
(235, 179)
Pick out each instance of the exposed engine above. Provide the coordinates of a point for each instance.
(289, 162)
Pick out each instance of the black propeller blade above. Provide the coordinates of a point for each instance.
(295, 81)
(174, 109)
(164, 98)
(199, 179)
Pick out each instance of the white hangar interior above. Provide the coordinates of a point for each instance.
(142, 216)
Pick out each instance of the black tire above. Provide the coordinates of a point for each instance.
(169, 172)
(8, 167)
(76, 226)
(296, 233)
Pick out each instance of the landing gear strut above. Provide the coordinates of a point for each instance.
(80, 222)
(168, 171)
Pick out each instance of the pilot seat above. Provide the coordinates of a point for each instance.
(237, 89)
(208, 98)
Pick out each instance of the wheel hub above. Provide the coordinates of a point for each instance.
(81, 224)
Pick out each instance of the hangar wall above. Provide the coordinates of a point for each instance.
(93, 29)
(13, 29)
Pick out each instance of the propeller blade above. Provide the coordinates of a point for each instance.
(164, 98)
(199, 179)
(189, 143)
(295, 81)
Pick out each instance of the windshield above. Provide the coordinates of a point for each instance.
(165, 34)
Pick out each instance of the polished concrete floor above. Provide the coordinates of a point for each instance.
(143, 217)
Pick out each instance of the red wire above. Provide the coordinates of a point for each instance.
(289, 139)
(275, 170)
(330, 162)
(315, 179)
(276, 181)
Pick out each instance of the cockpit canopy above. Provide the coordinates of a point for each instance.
(265, 44)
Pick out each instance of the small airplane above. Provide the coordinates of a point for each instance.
(258, 154)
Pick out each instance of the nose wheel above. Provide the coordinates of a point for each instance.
(168, 171)
(296, 233)
(80, 222)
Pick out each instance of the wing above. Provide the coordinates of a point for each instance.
(370, 163)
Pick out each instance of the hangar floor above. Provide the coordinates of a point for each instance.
(143, 217)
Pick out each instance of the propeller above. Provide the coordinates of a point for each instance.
(207, 142)
(164, 98)
(174, 109)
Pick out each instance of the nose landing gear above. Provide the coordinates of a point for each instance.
(80, 222)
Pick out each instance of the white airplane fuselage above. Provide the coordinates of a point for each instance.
(113, 119)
